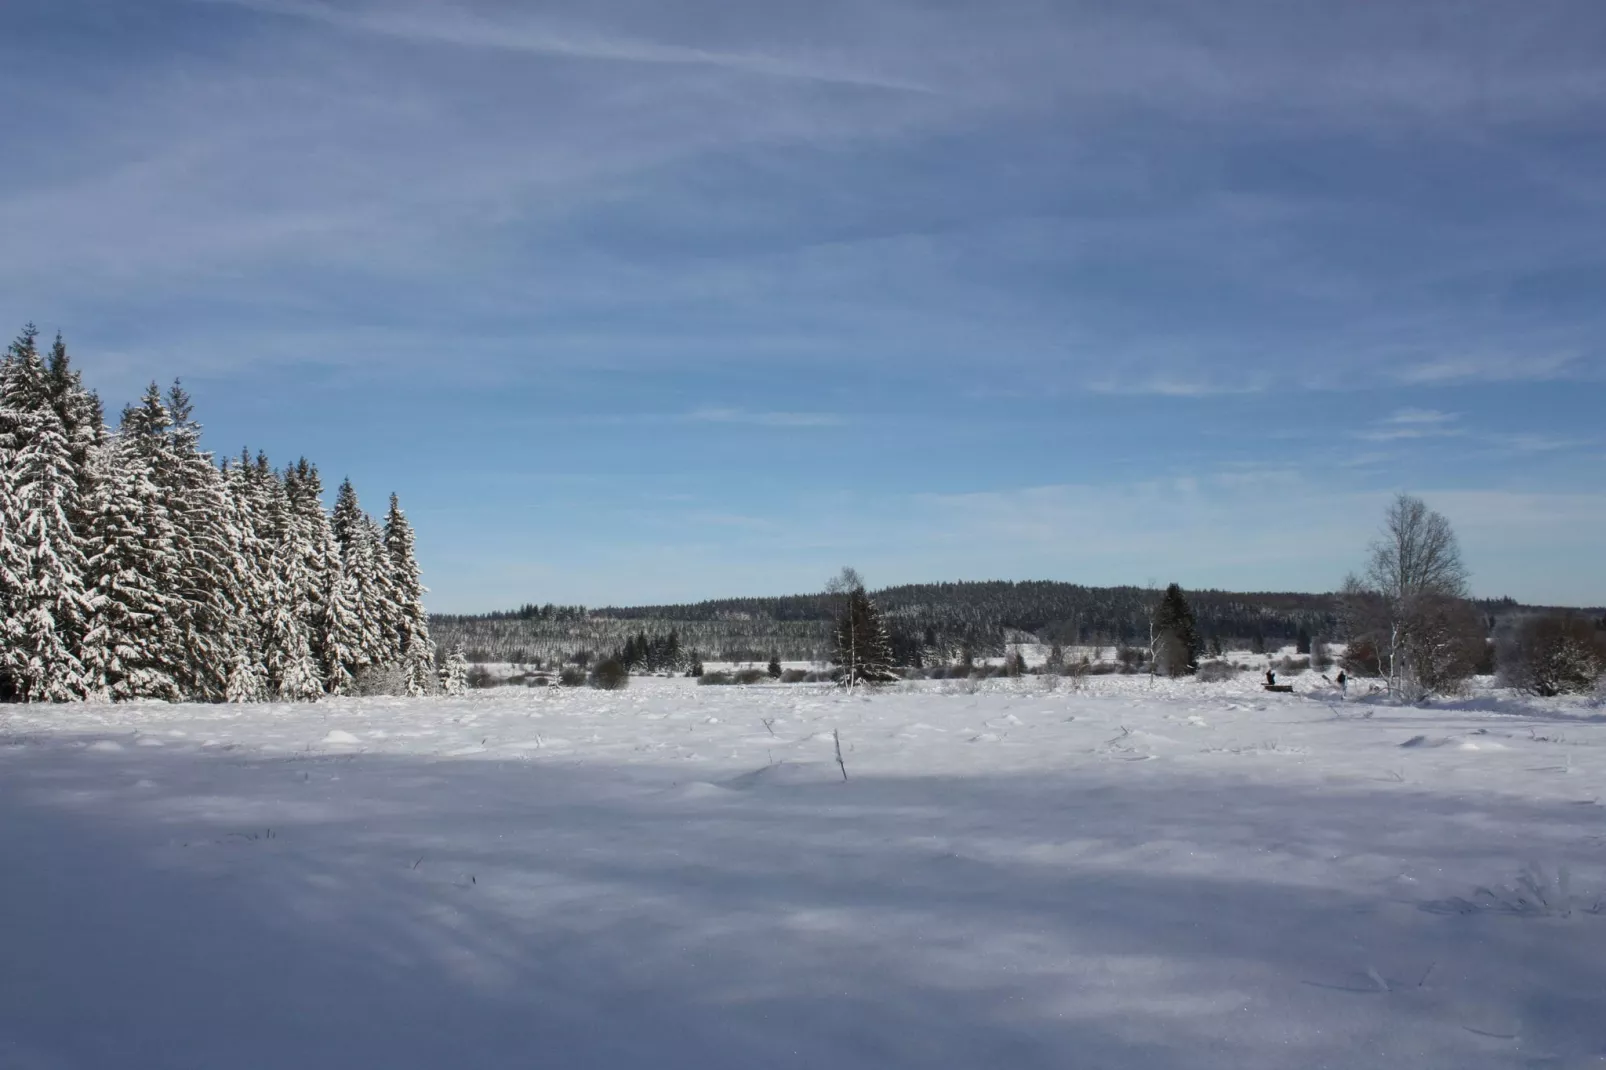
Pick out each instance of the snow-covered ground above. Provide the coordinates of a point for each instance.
(1137, 875)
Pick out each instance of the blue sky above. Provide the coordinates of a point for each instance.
(638, 301)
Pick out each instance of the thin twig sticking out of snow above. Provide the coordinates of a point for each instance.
(840, 763)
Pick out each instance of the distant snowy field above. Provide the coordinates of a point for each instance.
(1137, 875)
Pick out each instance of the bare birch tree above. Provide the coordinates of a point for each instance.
(1411, 602)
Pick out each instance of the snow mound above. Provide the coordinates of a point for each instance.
(104, 746)
(338, 736)
(785, 773)
(1458, 742)
(697, 789)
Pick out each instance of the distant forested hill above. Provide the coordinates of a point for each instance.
(929, 617)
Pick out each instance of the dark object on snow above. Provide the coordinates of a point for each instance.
(1284, 688)
(610, 675)
(1343, 682)
(1271, 678)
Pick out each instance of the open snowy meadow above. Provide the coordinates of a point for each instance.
(1135, 874)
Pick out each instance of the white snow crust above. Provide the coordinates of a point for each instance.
(1136, 875)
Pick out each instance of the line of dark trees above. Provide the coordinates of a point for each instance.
(924, 622)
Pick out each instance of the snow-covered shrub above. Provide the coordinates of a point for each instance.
(1211, 672)
(793, 676)
(572, 676)
(381, 680)
(1554, 654)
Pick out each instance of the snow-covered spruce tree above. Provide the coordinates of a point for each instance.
(248, 681)
(373, 570)
(359, 562)
(863, 648)
(83, 421)
(416, 652)
(455, 677)
(1176, 638)
(206, 570)
(248, 482)
(336, 631)
(133, 649)
(48, 606)
(13, 558)
(291, 667)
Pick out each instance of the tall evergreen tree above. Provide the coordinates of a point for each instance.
(249, 483)
(48, 607)
(83, 420)
(13, 556)
(337, 638)
(417, 653)
(1176, 637)
(381, 597)
(133, 649)
(206, 570)
(863, 648)
(364, 590)
(291, 665)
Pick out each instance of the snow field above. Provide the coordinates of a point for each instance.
(1139, 873)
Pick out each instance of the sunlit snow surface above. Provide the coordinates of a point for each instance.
(1140, 875)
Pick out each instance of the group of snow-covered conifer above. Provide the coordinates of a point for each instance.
(132, 566)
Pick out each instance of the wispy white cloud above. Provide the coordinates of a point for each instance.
(1539, 442)
(1227, 382)
(765, 419)
(1405, 424)
(452, 25)
(1495, 368)
(1414, 417)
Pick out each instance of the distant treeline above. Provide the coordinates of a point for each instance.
(932, 620)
